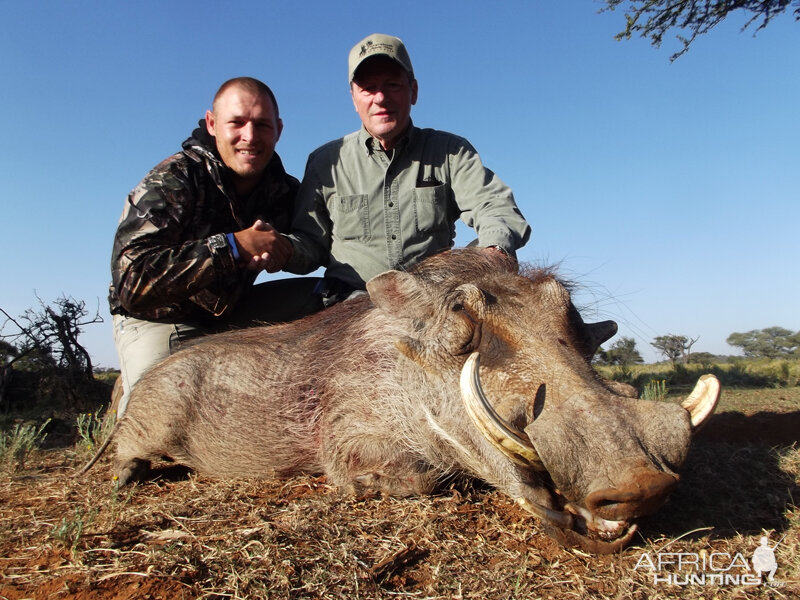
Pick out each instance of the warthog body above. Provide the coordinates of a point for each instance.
(369, 392)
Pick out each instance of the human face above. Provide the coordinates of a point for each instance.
(246, 130)
(383, 97)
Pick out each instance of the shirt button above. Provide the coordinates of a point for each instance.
(394, 237)
(391, 204)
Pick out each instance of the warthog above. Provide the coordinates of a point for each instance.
(384, 392)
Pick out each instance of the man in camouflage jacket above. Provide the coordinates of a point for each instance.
(199, 228)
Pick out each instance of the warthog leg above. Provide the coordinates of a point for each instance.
(132, 470)
(394, 484)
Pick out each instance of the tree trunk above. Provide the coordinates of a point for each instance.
(5, 378)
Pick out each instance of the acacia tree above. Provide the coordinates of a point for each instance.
(47, 339)
(654, 18)
(673, 346)
(53, 331)
(623, 352)
(772, 342)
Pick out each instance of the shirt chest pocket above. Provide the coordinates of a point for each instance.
(430, 208)
(351, 217)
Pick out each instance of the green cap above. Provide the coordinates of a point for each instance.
(377, 44)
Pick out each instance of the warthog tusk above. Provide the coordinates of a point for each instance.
(558, 518)
(514, 444)
(703, 399)
(604, 527)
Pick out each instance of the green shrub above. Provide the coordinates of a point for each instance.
(655, 390)
(18, 444)
(93, 428)
(623, 373)
(53, 390)
(70, 530)
(738, 372)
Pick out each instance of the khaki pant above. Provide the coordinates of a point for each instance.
(143, 344)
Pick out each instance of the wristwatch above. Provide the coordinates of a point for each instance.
(217, 241)
(503, 250)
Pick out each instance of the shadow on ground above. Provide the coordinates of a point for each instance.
(732, 480)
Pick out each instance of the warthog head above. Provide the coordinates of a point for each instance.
(574, 449)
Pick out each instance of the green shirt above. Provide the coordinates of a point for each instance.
(366, 211)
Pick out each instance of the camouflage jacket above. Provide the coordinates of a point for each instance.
(169, 260)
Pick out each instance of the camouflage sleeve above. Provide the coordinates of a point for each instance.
(158, 261)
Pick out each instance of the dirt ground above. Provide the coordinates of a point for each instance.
(183, 536)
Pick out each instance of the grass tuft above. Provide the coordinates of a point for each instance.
(70, 529)
(655, 390)
(17, 445)
(93, 428)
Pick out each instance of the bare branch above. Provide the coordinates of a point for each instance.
(53, 333)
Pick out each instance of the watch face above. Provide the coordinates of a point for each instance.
(217, 241)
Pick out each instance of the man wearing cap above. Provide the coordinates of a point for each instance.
(388, 195)
(198, 229)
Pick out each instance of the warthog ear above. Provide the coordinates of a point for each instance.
(456, 330)
(468, 308)
(593, 334)
(597, 333)
(400, 294)
(472, 299)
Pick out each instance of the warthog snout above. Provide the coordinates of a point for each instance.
(643, 492)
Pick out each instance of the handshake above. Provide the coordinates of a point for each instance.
(262, 247)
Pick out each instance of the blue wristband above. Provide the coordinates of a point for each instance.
(232, 242)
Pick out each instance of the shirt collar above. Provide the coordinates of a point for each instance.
(370, 143)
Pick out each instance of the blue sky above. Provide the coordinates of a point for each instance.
(668, 191)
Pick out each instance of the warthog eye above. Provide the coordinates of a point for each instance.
(457, 307)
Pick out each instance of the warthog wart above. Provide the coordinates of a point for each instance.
(461, 365)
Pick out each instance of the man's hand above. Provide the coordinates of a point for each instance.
(495, 251)
(263, 247)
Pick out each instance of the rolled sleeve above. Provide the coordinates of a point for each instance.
(310, 232)
(486, 203)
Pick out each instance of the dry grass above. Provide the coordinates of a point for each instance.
(189, 537)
